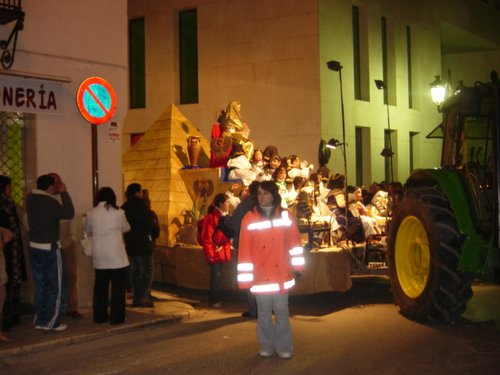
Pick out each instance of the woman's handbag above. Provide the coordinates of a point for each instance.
(86, 243)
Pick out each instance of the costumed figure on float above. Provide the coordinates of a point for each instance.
(233, 127)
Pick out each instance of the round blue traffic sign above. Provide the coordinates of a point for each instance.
(96, 100)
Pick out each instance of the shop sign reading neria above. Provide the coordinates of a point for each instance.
(30, 95)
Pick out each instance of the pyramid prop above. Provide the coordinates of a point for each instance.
(159, 162)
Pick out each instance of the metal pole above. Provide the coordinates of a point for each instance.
(496, 134)
(344, 155)
(95, 171)
(391, 179)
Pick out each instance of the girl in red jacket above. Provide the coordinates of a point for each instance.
(270, 251)
(216, 246)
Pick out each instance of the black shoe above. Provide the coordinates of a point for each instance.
(74, 314)
(248, 314)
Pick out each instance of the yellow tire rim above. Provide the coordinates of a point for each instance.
(412, 257)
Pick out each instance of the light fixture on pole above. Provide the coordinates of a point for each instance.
(438, 91)
(337, 67)
(334, 143)
(387, 151)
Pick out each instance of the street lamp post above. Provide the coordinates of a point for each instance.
(336, 67)
(387, 152)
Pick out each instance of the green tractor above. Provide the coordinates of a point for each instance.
(445, 231)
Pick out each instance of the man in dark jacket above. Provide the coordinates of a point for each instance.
(139, 245)
(247, 204)
(49, 274)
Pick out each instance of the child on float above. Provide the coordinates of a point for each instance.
(287, 193)
(298, 167)
(258, 163)
(270, 168)
(323, 175)
(268, 152)
(358, 209)
(234, 195)
(239, 166)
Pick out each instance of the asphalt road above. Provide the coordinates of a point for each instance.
(359, 332)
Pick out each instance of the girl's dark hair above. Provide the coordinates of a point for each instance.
(299, 182)
(222, 115)
(253, 187)
(132, 190)
(106, 194)
(292, 158)
(269, 151)
(272, 188)
(257, 150)
(237, 150)
(351, 189)
(277, 171)
(218, 200)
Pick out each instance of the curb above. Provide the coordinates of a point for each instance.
(86, 337)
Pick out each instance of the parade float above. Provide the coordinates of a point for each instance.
(171, 159)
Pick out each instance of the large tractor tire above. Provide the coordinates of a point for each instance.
(424, 248)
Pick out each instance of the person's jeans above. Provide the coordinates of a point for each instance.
(49, 278)
(278, 335)
(142, 278)
(213, 293)
(103, 278)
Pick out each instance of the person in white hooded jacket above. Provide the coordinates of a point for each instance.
(106, 223)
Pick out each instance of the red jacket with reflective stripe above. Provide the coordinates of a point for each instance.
(265, 246)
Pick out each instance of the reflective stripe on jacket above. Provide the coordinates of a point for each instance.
(269, 251)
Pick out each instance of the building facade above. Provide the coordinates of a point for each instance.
(62, 43)
(272, 55)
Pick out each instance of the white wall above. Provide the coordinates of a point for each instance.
(76, 40)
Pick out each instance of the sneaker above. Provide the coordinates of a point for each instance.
(59, 328)
(41, 328)
(216, 305)
(285, 355)
(265, 354)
